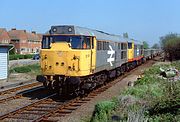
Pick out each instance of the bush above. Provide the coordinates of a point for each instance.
(102, 111)
(20, 56)
(166, 107)
(28, 56)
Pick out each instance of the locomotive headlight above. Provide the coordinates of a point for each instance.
(54, 29)
(69, 29)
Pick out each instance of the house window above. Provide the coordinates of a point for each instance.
(37, 50)
(23, 49)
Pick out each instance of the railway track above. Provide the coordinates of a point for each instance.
(26, 109)
(15, 89)
(20, 95)
(18, 92)
(50, 108)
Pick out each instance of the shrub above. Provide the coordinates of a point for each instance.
(28, 56)
(102, 111)
(20, 56)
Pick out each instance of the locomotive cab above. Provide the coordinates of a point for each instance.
(67, 55)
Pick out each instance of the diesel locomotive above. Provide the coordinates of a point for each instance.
(75, 60)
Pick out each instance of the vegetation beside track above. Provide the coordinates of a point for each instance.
(152, 99)
(20, 56)
(32, 69)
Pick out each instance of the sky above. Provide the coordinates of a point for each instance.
(143, 20)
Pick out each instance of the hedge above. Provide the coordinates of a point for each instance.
(20, 56)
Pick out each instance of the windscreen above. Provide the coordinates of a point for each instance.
(76, 42)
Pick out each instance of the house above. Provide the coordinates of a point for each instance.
(25, 42)
(34, 42)
(4, 36)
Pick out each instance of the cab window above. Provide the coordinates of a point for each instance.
(81, 42)
(77, 42)
(129, 45)
(86, 43)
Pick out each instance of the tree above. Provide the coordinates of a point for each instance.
(125, 35)
(155, 46)
(171, 45)
(166, 38)
(145, 45)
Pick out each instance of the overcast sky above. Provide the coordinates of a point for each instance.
(144, 20)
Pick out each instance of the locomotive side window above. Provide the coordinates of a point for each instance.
(123, 50)
(123, 46)
(98, 45)
(107, 45)
(102, 45)
(119, 46)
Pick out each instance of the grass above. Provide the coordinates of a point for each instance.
(152, 99)
(32, 69)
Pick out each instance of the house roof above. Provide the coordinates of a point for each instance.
(32, 36)
(17, 34)
(4, 35)
(1, 30)
(39, 36)
(22, 35)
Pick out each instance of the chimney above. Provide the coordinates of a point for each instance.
(34, 32)
(13, 29)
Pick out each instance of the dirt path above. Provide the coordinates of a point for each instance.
(86, 110)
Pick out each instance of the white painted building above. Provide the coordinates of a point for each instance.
(4, 60)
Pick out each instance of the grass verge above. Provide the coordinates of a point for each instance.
(32, 69)
(152, 99)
